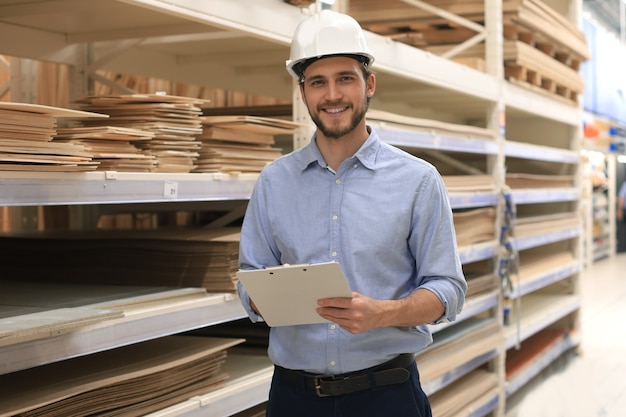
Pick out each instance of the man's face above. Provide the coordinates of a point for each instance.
(336, 94)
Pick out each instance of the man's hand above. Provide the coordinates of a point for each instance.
(358, 314)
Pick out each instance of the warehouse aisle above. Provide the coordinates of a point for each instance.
(592, 383)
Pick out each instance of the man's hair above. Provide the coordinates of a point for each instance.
(299, 68)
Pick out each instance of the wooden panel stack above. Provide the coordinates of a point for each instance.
(111, 146)
(128, 381)
(26, 140)
(240, 143)
(542, 50)
(174, 122)
(180, 257)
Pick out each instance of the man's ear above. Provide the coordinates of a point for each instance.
(302, 95)
(370, 85)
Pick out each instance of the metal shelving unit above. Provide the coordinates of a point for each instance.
(236, 44)
(112, 187)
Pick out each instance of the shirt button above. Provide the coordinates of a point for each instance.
(334, 254)
(333, 327)
(355, 165)
(335, 217)
(337, 181)
(333, 363)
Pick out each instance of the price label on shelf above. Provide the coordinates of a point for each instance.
(170, 189)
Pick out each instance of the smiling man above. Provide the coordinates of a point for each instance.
(379, 212)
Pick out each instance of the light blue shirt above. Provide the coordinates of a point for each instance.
(622, 191)
(384, 216)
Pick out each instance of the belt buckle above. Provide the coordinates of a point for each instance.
(319, 379)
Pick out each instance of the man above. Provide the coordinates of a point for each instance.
(379, 212)
(619, 212)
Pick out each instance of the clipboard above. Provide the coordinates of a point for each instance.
(287, 295)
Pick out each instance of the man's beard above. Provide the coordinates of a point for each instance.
(338, 132)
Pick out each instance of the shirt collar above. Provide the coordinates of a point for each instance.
(366, 154)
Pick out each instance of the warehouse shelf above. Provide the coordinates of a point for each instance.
(488, 405)
(538, 312)
(437, 384)
(473, 306)
(478, 251)
(443, 362)
(567, 342)
(521, 101)
(545, 195)
(540, 239)
(471, 199)
(433, 140)
(546, 277)
(250, 374)
(137, 325)
(112, 187)
(540, 153)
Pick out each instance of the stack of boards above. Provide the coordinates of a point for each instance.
(26, 139)
(173, 122)
(180, 257)
(234, 143)
(128, 381)
(541, 49)
(136, 133)
(124, 381)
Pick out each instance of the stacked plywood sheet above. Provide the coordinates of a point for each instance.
(531, 350)
(240, 143)
(182, 257)
(428, 126)
(128, 381)
(38, 310)
(536, 225)
(460, 183)
(173, 121)
(542, 49)
(26, 139)
(537, 263)
(519, 180)
(476, 225)
(464, 396)
(470, 338)
(113, 147)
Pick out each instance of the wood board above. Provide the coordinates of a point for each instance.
(39, 325)
(173, 123)
(38, 310)
(532, 225)
(182, 257)
(460, 183)
(56, 112)
(522, 180)
(128, 381)
(430, 126)
(451, 349)
(26, 139)
(474, 226)
(465, 395)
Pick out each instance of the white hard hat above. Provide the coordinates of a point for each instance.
(323, 34)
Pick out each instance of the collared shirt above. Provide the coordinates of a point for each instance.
(384, 216)
(622, 191)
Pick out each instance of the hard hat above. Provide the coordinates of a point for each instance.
(323, 34)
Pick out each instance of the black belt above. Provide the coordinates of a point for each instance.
(391, 372)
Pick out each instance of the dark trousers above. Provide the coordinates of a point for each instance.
(406, 399)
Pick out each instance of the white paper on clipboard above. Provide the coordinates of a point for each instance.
(287, 295)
